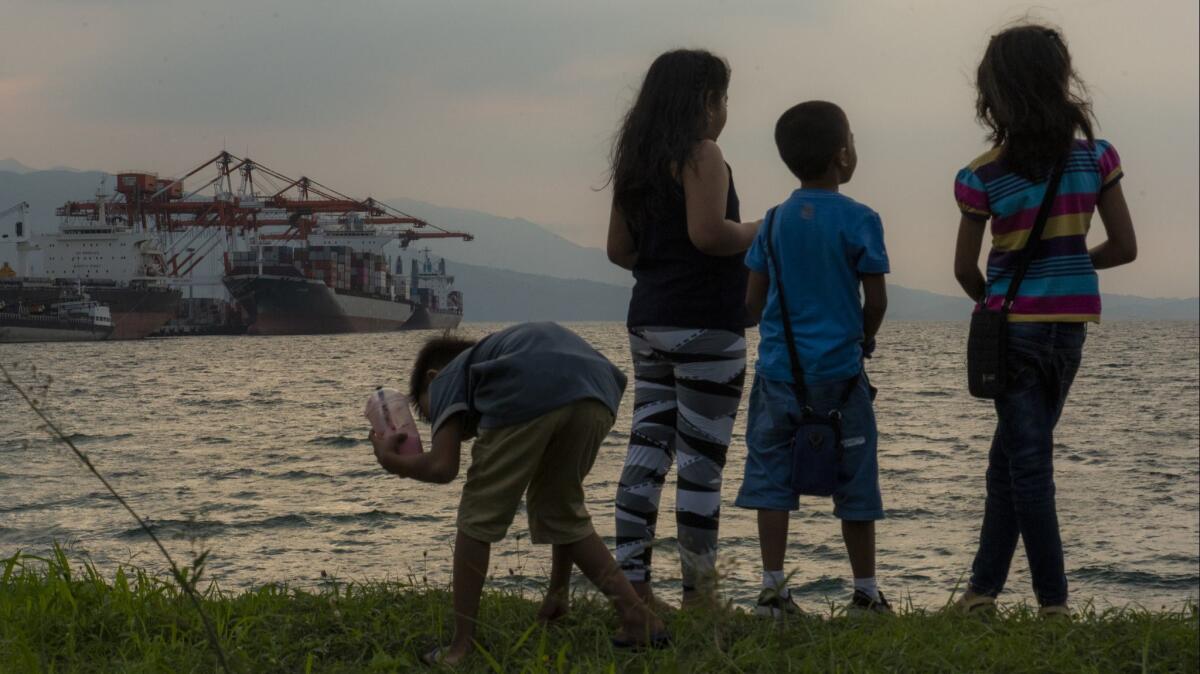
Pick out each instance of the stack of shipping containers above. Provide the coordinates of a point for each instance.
(339, 267)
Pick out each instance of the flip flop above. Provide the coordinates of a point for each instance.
(433, 658)
(661, 639)
(974, 603)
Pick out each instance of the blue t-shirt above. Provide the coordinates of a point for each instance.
(823, 242)
(520, 373)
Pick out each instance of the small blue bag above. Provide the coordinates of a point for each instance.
(817, 453)
(817, 445)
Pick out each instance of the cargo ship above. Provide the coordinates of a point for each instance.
(438, 307)
(80, 320)
(326, 289)
(108, 260)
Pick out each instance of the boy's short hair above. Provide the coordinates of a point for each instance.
(809, 136)
(435, 354)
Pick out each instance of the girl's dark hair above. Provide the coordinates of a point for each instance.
(1031, 99)
(661, 130)
(435, 354)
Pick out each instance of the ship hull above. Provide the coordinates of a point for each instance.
(136, 312)
(280, 305)
(432, 319)
(14, 329)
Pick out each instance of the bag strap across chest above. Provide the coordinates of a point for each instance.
(801, 387)
(1025, 255)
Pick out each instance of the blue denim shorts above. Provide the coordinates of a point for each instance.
(774, 413)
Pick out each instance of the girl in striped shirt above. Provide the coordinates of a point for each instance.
(1035, 107)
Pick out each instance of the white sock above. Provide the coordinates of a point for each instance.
(868, 587)
(775, 580)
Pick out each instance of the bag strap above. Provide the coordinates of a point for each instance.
(797, 369)
(1025, 255)
(801, 388)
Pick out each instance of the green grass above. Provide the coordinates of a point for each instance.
(59, 617)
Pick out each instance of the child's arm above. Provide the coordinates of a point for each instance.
(705, 189)
(966, 257)
(622, 249)
(874, 306)
(1121, 245)
(756, 295)
(438, 465)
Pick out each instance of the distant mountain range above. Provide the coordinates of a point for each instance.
(514, 244)
(530, 252)
(504, 295)
(17, 167)
(14, 166)
(518, 270)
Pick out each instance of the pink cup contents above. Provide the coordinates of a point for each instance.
(387, 410)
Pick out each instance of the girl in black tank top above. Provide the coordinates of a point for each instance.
(676, 284)
(674, 224)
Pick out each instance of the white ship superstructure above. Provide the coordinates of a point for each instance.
(99, 251)
(118, 265)
(440, 306)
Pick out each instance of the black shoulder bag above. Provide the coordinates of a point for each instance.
(987, 340)
(817, 443)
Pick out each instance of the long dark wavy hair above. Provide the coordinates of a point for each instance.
(661, 130)
(1031, 98)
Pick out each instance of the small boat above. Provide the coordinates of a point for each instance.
(82, 320)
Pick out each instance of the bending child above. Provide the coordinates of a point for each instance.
(824, 245)
(540, 401)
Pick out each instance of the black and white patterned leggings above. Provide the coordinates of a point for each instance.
(688, 384)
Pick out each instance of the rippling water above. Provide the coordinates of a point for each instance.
(255, 448)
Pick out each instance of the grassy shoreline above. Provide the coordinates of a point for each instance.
(59, 616)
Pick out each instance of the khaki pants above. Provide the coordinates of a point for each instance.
(545, 459)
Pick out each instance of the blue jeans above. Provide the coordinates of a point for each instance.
(1041, 364)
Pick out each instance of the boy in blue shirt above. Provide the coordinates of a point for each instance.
(825, 246)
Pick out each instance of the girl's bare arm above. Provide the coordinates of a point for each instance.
(1121, 245)
(705, 189)
(622, 249)
(966, 258)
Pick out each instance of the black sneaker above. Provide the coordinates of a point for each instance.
(772, 605)
(862, 602)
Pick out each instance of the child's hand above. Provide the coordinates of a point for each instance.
(383, 446)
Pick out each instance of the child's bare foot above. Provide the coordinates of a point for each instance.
(554, 608)
(641, 628)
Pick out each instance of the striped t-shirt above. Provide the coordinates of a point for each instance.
(1061, 284)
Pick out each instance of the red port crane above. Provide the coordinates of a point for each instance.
(263, 198)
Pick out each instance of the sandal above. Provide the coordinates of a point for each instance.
(433, 658)
(975, 603)
(1055, 612)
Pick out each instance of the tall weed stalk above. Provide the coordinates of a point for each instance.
(188, 584)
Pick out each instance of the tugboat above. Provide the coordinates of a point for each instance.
(83, 320)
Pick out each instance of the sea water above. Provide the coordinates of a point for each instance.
(255, 448)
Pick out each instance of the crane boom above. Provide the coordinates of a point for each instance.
(19, 208)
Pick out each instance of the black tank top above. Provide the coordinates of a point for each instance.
(680, 287)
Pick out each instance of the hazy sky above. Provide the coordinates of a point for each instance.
(509, 107)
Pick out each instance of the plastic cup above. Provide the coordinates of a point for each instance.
(388, 412)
